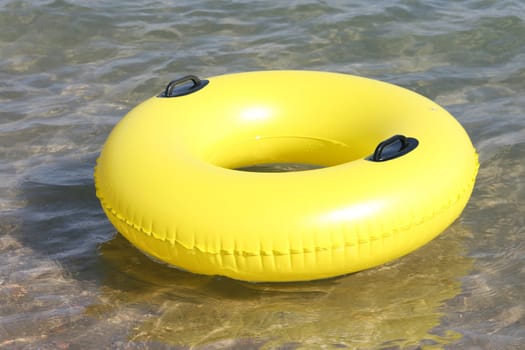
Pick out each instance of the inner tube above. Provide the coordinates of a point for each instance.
(394, 170)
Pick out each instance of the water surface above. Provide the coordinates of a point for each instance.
(69, 70)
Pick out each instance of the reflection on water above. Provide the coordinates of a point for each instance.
(69, 70)
(362, 309)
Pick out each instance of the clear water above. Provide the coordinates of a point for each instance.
(69, 70)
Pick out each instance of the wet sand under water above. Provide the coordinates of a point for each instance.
(70, 70)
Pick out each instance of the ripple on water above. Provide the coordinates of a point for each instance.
(70, 70)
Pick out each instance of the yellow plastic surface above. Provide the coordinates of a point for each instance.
(165, 176)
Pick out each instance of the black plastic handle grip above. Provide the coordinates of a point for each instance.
(393, 147)
(181, 87)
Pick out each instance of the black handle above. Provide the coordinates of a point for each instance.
(180, 87)
(393, 147)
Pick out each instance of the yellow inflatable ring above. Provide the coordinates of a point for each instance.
(397, 170)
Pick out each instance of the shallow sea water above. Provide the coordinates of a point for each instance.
(69, 70)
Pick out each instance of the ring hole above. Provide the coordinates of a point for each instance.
(279, 167)
(278, 154)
